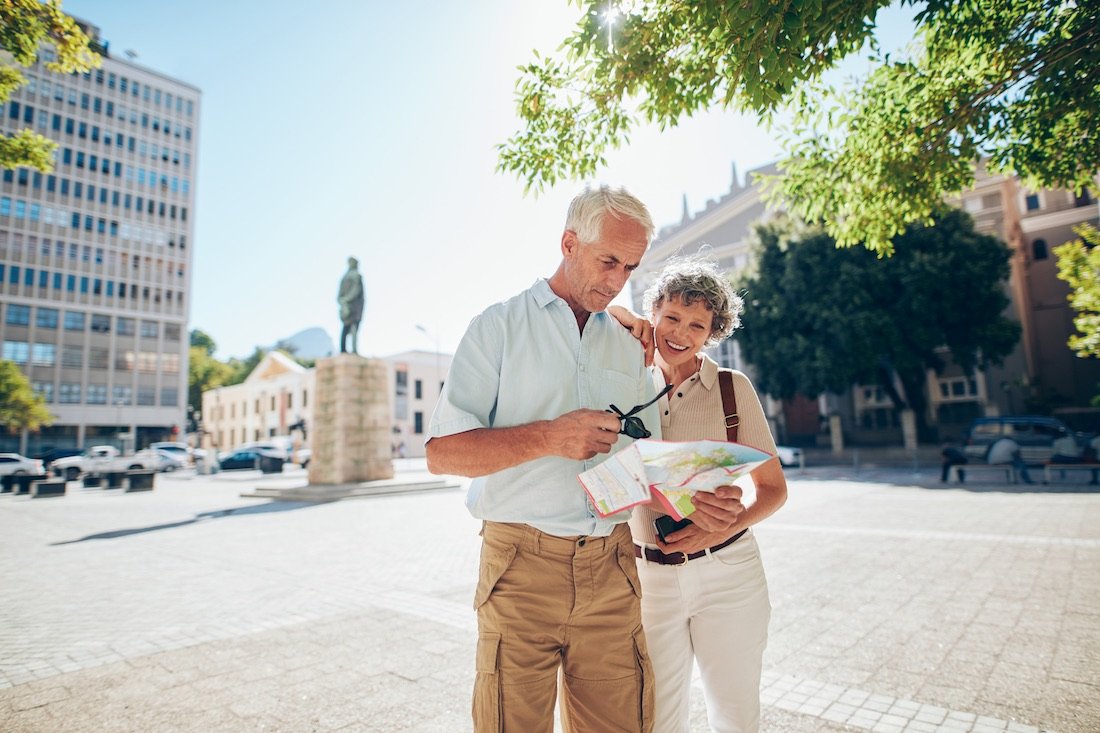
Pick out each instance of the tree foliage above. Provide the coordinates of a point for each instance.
(1079, 265)
(203, 370)
(20, 408)
(1017, 81)
(822, 318)
(25, 25)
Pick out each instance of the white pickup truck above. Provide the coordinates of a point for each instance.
(100, 459)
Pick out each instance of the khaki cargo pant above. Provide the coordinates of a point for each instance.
(544, 603)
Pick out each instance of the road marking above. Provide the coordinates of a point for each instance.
(933, 535)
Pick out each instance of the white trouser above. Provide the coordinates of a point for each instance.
(714, 609)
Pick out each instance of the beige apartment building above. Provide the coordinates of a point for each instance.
(277, 400)
(95, 257)
(1042, 375)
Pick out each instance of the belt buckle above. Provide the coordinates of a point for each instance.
(683, 558)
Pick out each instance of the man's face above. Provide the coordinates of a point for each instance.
(597, 271)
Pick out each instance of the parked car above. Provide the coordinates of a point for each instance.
(13, 464)
(51, 454)
(252, 458)
(181, 451)
(169, 460)
(101, 459)
(789, 456)
(1034, 434)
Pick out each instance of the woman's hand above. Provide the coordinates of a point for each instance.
(714, 520)
(639, 328)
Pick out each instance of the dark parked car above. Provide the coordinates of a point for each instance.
(49, 455)
(267, 461)
(1034, 434)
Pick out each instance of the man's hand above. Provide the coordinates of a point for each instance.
(581, 434)
(639, 328)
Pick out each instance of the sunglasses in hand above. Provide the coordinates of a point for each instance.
(633, 426)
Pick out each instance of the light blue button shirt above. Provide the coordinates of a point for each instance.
(525, 360)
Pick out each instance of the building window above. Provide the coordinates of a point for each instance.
(169, 397)
(146, 396)
(96, 394)
(97, 358)
(44, 354)
(100, 323)
(72, 356)
(149, 329)
(74, 321)
(1082, 199)
(418, 389)
(46, 318)
(70, 393)
(124, 326)
(44, 390)
(18, 315)
(418, 423)
(1032, 202)
(1039, 249)
(16, 351)
(171, 332)
(121, 395)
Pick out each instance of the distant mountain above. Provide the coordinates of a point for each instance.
(312, 343)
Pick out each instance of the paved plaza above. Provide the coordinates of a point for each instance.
(900, 604)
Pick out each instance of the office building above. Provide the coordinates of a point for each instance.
(95, 256)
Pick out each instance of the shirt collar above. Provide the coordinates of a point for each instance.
(542, 293)
(708, 372)
(544, 296)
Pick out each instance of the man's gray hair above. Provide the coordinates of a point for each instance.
(695, 278)
(587, 210)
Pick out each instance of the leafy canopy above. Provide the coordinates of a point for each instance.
(20, 408)
(821, 318)
(1017, 81)
(26, 25)
(1079, 265)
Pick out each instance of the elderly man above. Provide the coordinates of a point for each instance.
(524, 410)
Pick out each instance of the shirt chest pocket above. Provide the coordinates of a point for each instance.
(615, 388)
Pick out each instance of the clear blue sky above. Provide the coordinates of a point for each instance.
(366, 128)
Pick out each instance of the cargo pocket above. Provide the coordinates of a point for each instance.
(646, 700)
(487, 698)
(629, 566)
(494, 561)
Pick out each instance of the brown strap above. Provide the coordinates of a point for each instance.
(729, 404)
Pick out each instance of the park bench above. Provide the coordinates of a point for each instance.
(47, 487)
(971, 468)
(1061, 468)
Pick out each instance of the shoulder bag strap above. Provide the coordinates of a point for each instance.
(729, 404)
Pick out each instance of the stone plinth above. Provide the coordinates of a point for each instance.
(352, 421)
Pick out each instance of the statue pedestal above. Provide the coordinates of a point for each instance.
(352, 421)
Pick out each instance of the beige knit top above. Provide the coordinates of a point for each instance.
(693, 411)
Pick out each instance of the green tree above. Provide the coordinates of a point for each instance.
(1079, 265)
(20, 408)
(25, 26)
(203, 340)
(821, 318)
(1014, 81)
(203, 370)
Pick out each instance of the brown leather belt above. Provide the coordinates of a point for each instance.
(679, 558)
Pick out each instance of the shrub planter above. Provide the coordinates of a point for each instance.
(140, 480)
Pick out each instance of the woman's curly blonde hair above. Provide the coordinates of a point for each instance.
(694, 278)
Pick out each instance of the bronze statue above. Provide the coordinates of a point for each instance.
(351, 306)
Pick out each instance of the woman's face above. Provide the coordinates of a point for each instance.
(681, 330)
